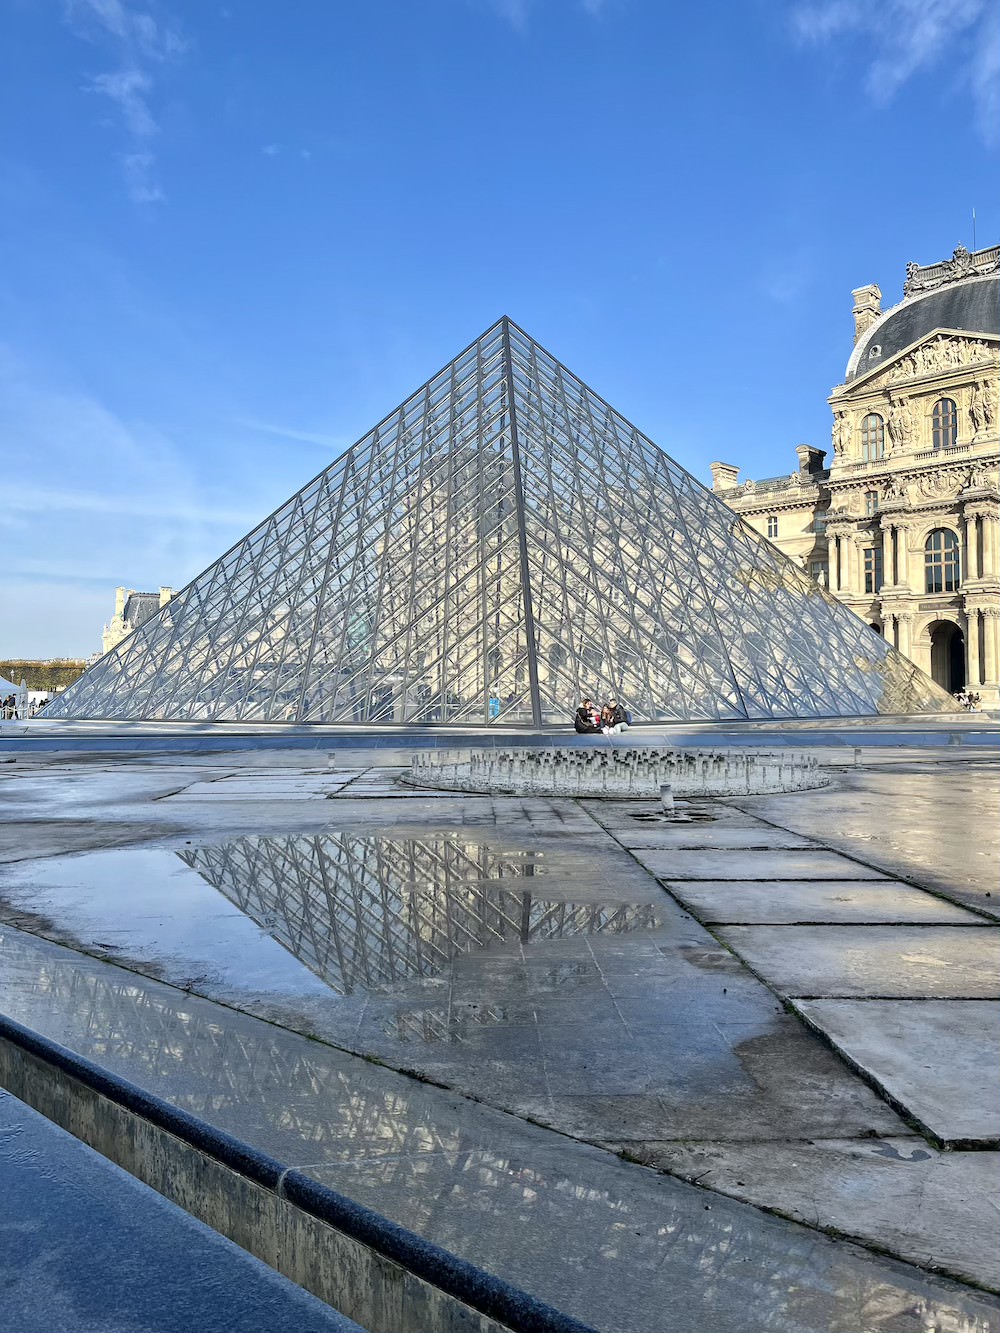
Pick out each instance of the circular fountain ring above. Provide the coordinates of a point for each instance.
(617, 772)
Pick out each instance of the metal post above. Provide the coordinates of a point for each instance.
(522, 536)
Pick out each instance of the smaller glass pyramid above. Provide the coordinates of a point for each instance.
(502, 543)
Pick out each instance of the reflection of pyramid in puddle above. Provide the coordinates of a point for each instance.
(367, 911)
(501, 542)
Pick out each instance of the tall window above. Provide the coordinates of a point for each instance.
(944, 424)
(872, 438)
(772, 525)
(941, 561)
(871, 502)
(873, 568)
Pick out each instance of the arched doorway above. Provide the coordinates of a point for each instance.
(947, 655)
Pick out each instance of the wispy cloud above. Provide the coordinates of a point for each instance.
(516, 12)
(115, 495)
(907, 37)
(786, 281)
(40, 500)
(139, 42)
(333, 444)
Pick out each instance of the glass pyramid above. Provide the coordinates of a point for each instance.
(500, 544)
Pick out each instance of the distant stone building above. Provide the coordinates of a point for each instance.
(903, 526)
(132, 609)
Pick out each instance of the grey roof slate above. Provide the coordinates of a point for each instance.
(972, 306)
(140, 606)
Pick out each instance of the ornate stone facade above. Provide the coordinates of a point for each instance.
(903, 525)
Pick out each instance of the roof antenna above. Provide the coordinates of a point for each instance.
(973, 231)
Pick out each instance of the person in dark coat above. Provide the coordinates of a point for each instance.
(614, 718)
(587, 719)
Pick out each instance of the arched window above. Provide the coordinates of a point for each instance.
(944, 424)
(941, 561)
(872, 438)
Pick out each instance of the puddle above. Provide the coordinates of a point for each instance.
(365, 911)
(310, 914)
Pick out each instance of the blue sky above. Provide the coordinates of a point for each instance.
(234, 235)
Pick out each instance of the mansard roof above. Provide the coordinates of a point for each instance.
(961, 294)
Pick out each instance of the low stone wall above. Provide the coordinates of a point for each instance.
(617, 772)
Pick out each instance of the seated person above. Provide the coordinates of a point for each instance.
(587, 719)
(614, 718)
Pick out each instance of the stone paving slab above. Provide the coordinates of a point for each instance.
(708, 836)
(743, 865)
(935, 824)
(866, 1190)
(787, 902)
(621, 1247)
(873, 961)
(938, 1058)
(277, 787)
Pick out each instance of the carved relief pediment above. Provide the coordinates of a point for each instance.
(937, 352)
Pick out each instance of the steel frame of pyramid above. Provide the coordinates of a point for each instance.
(499, 545)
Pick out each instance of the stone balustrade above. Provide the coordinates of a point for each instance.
(618, 773)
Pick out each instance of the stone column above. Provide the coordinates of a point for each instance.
(972, 563)
(972, 663)
(906, 628)
(856, 581)
(891, 544)
(903, 554)
(991, 626)
(991, 532)
(967, 545)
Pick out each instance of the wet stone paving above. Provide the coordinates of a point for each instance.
(746, 998)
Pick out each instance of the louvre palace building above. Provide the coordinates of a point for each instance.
(902, 525)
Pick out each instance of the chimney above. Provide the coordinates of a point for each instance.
(810, 459)
(119, 601)
(724, 476)
(165, 595)
(867, 309)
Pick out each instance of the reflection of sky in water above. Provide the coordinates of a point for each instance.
(149, 907)
(367, 911)
(362, 912)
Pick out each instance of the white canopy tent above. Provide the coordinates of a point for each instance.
(20, 693)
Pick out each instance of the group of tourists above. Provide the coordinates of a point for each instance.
(968, 699)
(611, 720)
(9, 708)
